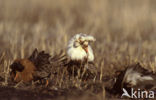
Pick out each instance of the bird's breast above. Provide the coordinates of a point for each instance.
(76, 53)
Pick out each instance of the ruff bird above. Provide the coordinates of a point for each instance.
(137, 77)
(39, 67)
(32, 68)
(81, 55)
(79, 48)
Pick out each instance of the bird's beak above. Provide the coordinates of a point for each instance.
(85, 47)
(16, 77)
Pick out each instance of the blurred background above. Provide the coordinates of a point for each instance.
(124, 29)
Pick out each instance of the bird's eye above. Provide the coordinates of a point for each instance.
(85, 43)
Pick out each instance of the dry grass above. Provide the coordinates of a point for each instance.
(124, 29)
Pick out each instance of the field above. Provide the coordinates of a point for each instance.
(124, 30)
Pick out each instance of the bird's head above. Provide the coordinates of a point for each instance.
(83, 41)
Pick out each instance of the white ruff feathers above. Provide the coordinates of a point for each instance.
(133, 76)
(75, 50)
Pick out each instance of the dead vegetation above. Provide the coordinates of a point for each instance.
(124, 30)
